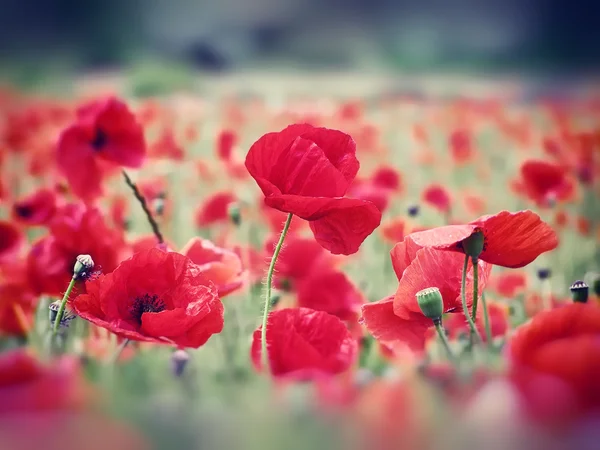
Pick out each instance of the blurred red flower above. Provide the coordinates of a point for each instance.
(37, 208)
(226, 140)
(306, 171)
(17, 303)
(510, 284)
(167, 147)
(555, 362)
(398, 318)
(105, 131)
(76, 229)
(11, 241)
(221, 266)
(545, 183)
(301, 339)
(498, 316)
(510, 239)
(214, 209)
(438, 197)
(461, 146)
(154, 296)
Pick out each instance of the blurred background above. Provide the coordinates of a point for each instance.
(550, 36)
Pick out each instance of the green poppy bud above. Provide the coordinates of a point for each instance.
(431, 303)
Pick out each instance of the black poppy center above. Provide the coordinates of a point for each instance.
(145, 304)
(23, 211)
(100, 140)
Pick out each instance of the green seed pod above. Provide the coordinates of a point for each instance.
(431, 303)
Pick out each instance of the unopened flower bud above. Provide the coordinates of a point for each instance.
(179, 360)
(473, 245)
(413, 211)
(235, 214)
(53, 308)
(431, 303)
(275, 298)
(579, 292)
(544, 274)
(83, 266)
(158, 204)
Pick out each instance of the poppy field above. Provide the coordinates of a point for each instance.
(259, 266)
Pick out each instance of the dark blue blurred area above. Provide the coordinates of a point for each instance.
(336, 33)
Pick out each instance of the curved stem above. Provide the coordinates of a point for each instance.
(263, 335)
(63, 304)
(486, 318)
(119, 350)
(142, 201)
(475, 288)
(442, 334)
(463, 293)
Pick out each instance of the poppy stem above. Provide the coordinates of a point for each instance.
(442, 334)
(475, 289)
(119, 350)
(61, 309)
(486, 319)
(142, 201)
(263, 336)
(463, 293)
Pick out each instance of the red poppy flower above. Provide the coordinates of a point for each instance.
(510, 284)
(214, 209)
(306, 171)
(105, 131)
(16, 308)
(330, 291)
(148, 241)
(369, 192)
(555, 362)
(398, 318)
(167, 147)
(226, 140)
(387, 178)
(37, 208)
(75, 230)
(438, 197)
(394, 231)
(154, 296)
(222, 267)
(510, 239)
(545, 183)
(461, 146)
(301, 339)
(11, 240)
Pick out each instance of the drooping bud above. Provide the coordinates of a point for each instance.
(473, 245)
(235, 214)
(413, 211)
(83, 266)
(179, 360)
(431, 303)
(544, 274)
(579, 292)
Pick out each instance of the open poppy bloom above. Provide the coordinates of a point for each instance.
(306, 171)
(214, 209)
(76, 229)
(510, 239)
(11, 240)
(545, 182)
(555, 362)
(154, 296)
(398, 318)
(37, 208)
(302, 339)
(221, 266)
(105, 135)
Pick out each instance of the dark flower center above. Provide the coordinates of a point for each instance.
(23, 211)
(100, 140)
(145, 304)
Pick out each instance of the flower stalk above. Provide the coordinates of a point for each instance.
(142, 201)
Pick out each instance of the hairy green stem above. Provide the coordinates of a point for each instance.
(63, 304)
(486, 318)
(463, 293)
(263, 336)
(442, 334)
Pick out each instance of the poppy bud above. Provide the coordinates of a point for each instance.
(83, 266)
(431, 303)
(473, 245)
(53, 307)
(413, 211)
(179, 360)
(544, 274)
(579, 292)
(234, 213)
(275, 298)
(159, 206)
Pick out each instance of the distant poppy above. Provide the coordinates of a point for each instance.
(510, 239)
(387, 177)
(330, 291)
(366, 190)
(17, 303)
(105, 132)
(306, 171)
(510, 284)
(154, 296)
(221, 266)
(35, 209)
(11, 241)
(461, 146)
(545, 182)
(226, 140)
(301, 339)
(584, 226)
(148, 241)
(214, 209)
(474, 203)
(75, 229)
(438, 197)
(167, 147)
(398, 317)
(555, 362)
(394, 231)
